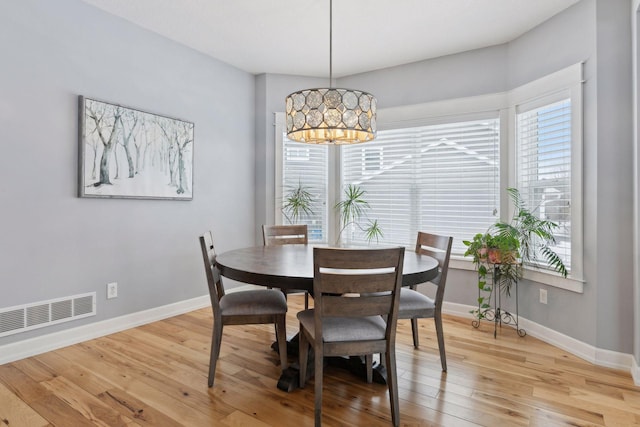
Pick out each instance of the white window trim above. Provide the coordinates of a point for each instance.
(565, 83)
(279, 130)
(538, 276)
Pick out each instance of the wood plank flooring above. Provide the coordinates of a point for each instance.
(156, 375)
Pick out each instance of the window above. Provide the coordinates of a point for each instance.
(439, 177)
(543, 167)
(305, 165)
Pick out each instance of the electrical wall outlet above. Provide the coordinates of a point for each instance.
(543, 296)
(112, 290)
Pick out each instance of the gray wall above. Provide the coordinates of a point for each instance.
(470, 73)
(615, 177)
(635, 11)
(53, 244)
(597, 32)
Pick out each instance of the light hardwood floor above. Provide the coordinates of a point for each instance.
(156, 375)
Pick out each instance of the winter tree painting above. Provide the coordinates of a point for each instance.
(128, 153)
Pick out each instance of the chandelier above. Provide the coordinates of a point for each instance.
(331, 115)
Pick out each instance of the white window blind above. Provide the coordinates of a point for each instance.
(543, 167)
(439, 178)
(307, 165)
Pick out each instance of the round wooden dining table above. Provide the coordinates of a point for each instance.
(291, 266)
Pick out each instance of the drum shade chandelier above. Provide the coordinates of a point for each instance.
(331, 115)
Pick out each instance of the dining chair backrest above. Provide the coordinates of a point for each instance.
(357, 283)
(284, 234)
(214, 279)
(438, 247)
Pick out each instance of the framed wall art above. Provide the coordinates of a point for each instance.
(128, 153)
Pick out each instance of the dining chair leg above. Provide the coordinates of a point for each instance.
(414, 331)
(303, 354)
(392, 383)
(382, 360)
(216, 342)
(368, 359)
(317, 378)
(281, 337)
(284, 292)
(440, 335)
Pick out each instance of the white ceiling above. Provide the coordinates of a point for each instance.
(292, 36)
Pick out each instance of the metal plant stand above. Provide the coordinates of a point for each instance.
(496, 314)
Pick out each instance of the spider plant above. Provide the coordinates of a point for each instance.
(352, 209)
(298, 202)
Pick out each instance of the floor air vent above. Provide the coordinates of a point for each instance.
(18, 319)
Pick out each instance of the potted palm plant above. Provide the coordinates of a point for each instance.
(506, 246)
(534, 235)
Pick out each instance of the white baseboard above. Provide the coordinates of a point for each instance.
(606, 358)
(459, 310)
(635, 372)
(33, 346)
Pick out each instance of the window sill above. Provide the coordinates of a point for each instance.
(546, 278)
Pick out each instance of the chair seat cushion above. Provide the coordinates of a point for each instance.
(413, 303)
(336, 329)
(254, 302)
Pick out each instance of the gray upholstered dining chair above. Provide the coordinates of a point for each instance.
(240, 308)
(354, 291)
(415, 305)
(286, 235)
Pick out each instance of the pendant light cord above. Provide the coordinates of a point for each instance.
(330, 44)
